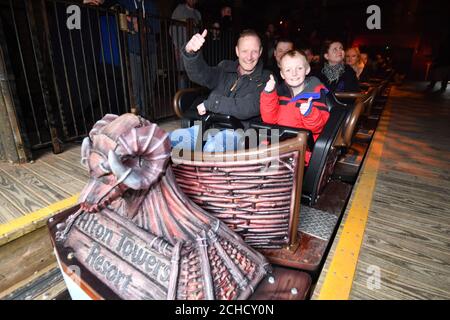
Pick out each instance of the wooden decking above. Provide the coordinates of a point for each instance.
(50, 178)
(407, 235)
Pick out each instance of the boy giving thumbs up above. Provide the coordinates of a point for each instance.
(299, 101)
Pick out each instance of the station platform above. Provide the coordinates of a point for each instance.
(394, 239)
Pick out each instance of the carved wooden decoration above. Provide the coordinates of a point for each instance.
(138, 235)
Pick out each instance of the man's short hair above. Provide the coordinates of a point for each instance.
(249, 33)
(296, 53)
(284, 40)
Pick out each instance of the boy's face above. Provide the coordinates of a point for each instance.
(293, 70)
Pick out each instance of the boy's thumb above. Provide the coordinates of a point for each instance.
(271, 77)
(205, 32)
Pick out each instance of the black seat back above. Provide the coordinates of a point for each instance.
(325, 154)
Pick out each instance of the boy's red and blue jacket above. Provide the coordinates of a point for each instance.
(280, 107)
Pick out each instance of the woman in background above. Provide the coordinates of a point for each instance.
(335, 74)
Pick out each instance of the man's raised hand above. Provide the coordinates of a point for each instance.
(196, 42)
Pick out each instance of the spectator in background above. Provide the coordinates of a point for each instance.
(380, 66)
(315, 40)
(270, 40)
(183, 13)
(353, 59)
(335, 74)
(364, 58)
(312, 59)
(227, 31)
(111, 50)
(368, 63)
(282, 46)
(440, 70)
(226, 18)
(214, 49)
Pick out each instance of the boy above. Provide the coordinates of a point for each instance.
(299, 101)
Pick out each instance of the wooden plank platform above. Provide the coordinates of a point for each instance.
(27, 189)
(407, 236)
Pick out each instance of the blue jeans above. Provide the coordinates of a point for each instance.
(224, 140)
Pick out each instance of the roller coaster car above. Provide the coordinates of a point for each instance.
(336, 134)
(262, 206)
(135, 235)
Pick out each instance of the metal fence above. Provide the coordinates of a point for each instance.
(66, 79)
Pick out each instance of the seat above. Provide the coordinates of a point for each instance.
(356, 103)
(184, 103)
(325, 150)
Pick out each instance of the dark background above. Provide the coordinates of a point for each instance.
(410, 29)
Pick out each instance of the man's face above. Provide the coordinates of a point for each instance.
(335, 53)
(248, 51)
(293, 70)
(281, 49)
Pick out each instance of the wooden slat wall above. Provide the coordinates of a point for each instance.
(407, 235)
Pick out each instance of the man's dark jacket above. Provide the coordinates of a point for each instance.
(231, 94)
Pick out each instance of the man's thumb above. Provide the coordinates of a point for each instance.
(309, 100)
(205, 32)
(271, 77)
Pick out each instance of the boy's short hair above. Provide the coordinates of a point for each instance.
(249, 33)
(295, 53)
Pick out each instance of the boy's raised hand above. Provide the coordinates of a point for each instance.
(305, 107)
(270, 85)
(196, 42)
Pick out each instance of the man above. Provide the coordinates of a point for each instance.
(213, 51)
(183, 12)
(283, 45)
(235, 85)
(226, 18)
(109, 32)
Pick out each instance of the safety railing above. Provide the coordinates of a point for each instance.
(66, 78)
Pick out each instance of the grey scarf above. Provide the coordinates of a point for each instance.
(333, 73)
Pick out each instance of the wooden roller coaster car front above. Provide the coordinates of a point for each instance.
(135, 235)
